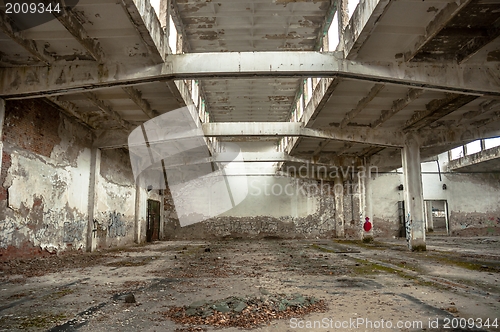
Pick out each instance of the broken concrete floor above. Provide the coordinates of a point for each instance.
(455, 278)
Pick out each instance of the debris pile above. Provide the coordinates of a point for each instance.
(245, 312)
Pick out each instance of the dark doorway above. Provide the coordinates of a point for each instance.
(153, 221)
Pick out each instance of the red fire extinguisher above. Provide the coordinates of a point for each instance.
(367, 226)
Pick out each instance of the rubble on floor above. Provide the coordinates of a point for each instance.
(245, 312)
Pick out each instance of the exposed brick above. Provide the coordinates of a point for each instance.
(32, 125)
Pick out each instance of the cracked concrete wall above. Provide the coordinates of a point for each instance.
(385, 196)
(473, 201)
(44, 180)
(274, 206)
(114, 215)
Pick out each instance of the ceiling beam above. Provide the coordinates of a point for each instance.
(361, 104)
(437, 109)
(72, 110)
(108, 110)
(456, 135)
(320, 97)
(478, 42)
(364, 20)
(8, 27)
(136, 96)
(480, 79)
(371, 150)
(145, 21)
(321, 146)
(437, 24)
(397, 106)
(363, 135)
(76, 29)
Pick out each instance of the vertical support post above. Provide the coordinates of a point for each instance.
(430, 220)
(362, 202)
(338, 192)
(163, 16)
(483, 145)
(365, 204)
(2, 119)
(95, 169)
(368, 215)
(137, 224)
(413, 193)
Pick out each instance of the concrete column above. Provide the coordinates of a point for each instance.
(338, 191)
(95, 169)
(141, 198)
(137, 224)
(365, 205)
(413, 193)
(2, 118)
(429, 220)
(368, 236)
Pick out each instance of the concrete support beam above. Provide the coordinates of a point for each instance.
(363, 21)
(361, 104)
(320, 97)
(59, 79)
(107, 110)
(136, 96)
(428, 216)
(397, 106)
(437, 109)
(362, 135)
(472, 161)
(71, 109)
(7, 27)
(75, 28)
(437, 24)
(454, 136)
(143, 17)
(413, 193)
(339, 207)
(95, 168)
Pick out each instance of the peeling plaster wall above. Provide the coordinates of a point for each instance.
(44, 180)
(274, 206)
(473, 200)
(114, 215)
(385, 197)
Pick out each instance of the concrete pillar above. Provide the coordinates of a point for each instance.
(368, 215)
(338, 191)
(95, 169)
(413, 193)
(137, 224)
(141, 200)
(365, 205)
(2, 118)
(429, 219)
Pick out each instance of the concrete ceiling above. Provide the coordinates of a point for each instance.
(436, 32)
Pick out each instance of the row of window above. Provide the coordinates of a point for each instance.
(474, 147)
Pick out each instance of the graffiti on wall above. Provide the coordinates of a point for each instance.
(116, 225)
(73, 231)
(408, 229)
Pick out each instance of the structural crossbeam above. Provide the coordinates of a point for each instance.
(61, 78)
(363, 135)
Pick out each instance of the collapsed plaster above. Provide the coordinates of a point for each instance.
(45, 181)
